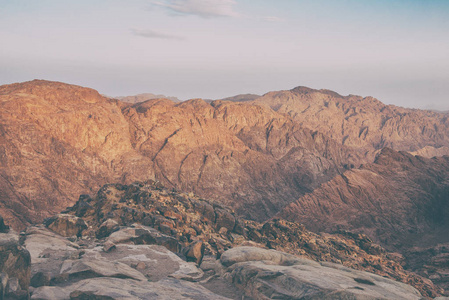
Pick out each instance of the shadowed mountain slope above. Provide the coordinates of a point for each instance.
(396, 200)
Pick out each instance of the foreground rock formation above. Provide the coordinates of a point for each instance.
(268, 274)
(15, 265)
(84, 270)
(142, 241)
(148, 213)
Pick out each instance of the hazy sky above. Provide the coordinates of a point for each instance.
(396, 51)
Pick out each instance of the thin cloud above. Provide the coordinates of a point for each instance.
(152, 34)
(202, 8)
(272, 19)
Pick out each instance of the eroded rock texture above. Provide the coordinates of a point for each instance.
(15, 267)
(58, 141)
(398, 200)
(180, 246)
(364, 123)
(199, 230)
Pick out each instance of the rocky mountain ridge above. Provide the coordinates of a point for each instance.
(143, 97)
(241, 98)
(364, 123)
(60, 140)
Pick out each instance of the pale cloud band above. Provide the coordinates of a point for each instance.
(148, 33)
(202, 8)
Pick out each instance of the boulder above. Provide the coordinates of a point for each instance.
(139, 234)
(66, 225)
(64, 266)
(15, 267)
(3, 227)
(115, 288)
(90, 268)
(245, 254)
(48, 250)
(106, 228)
(269, 274)
(155, 262)
(224, 219)
(195, 252)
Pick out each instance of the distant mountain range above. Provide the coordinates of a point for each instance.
(242, 98)
(143, 97)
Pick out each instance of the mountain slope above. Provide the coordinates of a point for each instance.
(364, 123)
(241, 98)
(144, 97)
(396, 200)
(60, 140)
(56, 141)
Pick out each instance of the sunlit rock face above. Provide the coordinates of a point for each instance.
(59, 141)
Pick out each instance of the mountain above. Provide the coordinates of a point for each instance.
(364, 123)
(143, 97)
(242, 98)
(332, 162)
(429, 151)
(400, 201)
(60, 140)
(397, 200)
(56, 141)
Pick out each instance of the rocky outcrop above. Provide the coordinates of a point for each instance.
(139, 271)
(15, 267)
(146, 213)
(364, 123)
(202, 256)
(66, 225)
(114, 288)
(84, 270)
(431, 262)
(269, 274)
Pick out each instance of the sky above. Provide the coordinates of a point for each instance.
(394, 50)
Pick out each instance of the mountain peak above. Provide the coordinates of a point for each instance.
(307, 90)
(53, 91)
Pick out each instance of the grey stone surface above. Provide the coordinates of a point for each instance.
(114, 288)
(269, 274)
